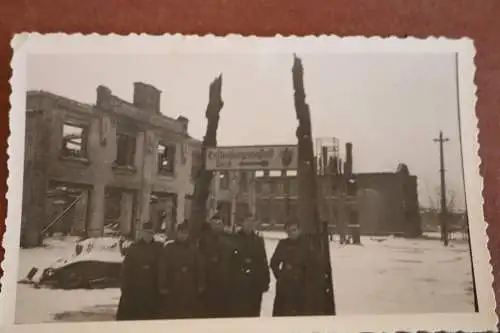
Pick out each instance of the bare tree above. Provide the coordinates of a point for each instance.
(451, 200)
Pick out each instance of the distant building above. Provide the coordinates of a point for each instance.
(115, 162)
(385, 203)
(232, 196)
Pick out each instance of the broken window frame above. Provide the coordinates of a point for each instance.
(64, 151)
(168, 154)
(130, 144)
(224, 181)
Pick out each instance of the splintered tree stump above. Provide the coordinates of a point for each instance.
(204, 177)
(320, 287)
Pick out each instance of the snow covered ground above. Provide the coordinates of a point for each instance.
(383, 276)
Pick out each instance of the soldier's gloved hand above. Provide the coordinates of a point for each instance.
(164, 291)
(266, 288)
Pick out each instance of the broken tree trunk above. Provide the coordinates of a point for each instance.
(204, 177)
(320, 288)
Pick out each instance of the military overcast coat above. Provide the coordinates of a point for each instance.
(139, 294)
(216, 251)
(250, 274)
(295, 268)
(181, 281)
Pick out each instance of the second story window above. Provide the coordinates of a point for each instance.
(125, 149)
(224, 180)
(166, 159)
(74, 141)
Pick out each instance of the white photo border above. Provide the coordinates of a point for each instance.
(33, 43)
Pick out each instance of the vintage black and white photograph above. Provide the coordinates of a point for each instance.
(232, 177)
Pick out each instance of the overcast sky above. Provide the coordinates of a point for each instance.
(390, 106)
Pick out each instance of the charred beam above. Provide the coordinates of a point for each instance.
(204, 177)
(320, 288)
(306, 174)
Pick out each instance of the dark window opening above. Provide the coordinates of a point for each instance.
(196, 162)
(273, 187)
(265, 211)
(125, 150)
(166, 159)
(352, 187)
(224, 181)
(74, 141)
(280, 187)
(292, 186)
(266, 188)
(243, 181)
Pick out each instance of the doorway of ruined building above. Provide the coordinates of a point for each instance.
(163, 212)
(67, 208)
(119, 211)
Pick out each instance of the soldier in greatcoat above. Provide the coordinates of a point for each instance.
(251, 276)
(139, 293)
(181, 277)
(216, 250)
(292, 264)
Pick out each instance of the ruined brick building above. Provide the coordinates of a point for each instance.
(118, 164)
(112, 163)
(385, 202)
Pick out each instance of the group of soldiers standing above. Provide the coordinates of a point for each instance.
(218, 275)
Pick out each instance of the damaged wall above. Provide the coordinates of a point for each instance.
(81, 147)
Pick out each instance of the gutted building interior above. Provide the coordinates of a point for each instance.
(104, 168)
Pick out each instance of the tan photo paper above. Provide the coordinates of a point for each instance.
(217, 184)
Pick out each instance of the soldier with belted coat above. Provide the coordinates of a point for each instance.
(139, 293)
(294, 266)
(216, 251)
(251, 276)
(181, 279)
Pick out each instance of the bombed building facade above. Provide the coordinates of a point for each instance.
(113, 164)
(384, 203)
(379, 203)
(109, 167)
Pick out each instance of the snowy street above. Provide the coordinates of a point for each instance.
(385, 275)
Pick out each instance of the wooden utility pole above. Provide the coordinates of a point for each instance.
(321, 294)
(204, 177)
(444, 208)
